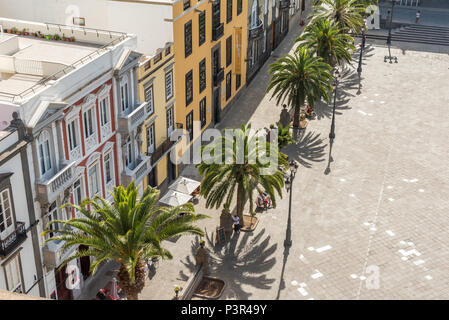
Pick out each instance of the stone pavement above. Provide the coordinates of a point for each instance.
(382, 210)
(371, 224)
(438, 17)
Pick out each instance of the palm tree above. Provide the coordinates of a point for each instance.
(300, 77)
(128, 231)
(347, 14)
(327, 41)
(235, 167)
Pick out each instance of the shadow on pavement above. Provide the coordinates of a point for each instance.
(242, 261)
(309, 147)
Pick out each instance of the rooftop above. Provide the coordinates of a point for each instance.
(34, 54)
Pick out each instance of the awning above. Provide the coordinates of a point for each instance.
(174, 198)
(184, 185)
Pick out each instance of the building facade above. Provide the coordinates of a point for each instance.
(72, 99)
(20, 259)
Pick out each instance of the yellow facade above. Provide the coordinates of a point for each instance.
(152, 73)
(238, 24)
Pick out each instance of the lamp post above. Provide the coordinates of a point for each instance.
(332, 133)
(393, 2)
(359, 69)
(289, 185)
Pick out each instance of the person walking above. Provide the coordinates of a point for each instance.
(418, 15)
(236, 223)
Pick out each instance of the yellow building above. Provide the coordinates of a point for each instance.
(155, 86)
(210, 41)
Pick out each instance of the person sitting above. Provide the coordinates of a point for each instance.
(309, 112)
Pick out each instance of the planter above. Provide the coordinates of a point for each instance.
(209, 288)
(249, 223)
(48, 37)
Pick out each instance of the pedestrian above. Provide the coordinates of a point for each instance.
(236, 223)
(418, 15)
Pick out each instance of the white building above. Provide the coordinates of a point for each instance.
(66, 93)
(20, 261)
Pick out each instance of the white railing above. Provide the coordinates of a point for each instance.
(106, 131)
(128, 122)
(75, 154)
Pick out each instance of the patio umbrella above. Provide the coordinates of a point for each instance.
(174, 198)
(184, 185)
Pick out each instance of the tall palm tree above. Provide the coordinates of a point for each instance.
(347, 14)
(327, 41)
(128, 231)
(299, 77)
(234, 167)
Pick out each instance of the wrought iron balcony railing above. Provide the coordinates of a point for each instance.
(12, 241)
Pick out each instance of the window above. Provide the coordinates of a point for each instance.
(216, 13)
(228, 11)
(254, 16)
(124, 95)
(203, 112)
(108, 167)
(147, 65)
(170, 121)
(228, 51)
(169, 85)
(51, 216)
(202, 73)
(239, 7)
(238, 80)
(228, 85)
(104, 111)
(73, 134)
(78, 21)
(150, 99)
(44, 152)
(150, 139)
(189, 124)
(188, 38)
(94, 186)
(13, 275)
(186, 4)
(157, 58)
(77, 192)
(128, 152)
(189, 87)
(6, 223)
(89, 123)
(202, 28)
(167, 51)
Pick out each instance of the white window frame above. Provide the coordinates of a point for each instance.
(170, 119)
(124, 95)
(13, 275)
(90, 110)
(77, 136)
(98, 179)
(254, 16)
(82, 192)
(128, 152)
(44, 141)
(105, 110)
(8, 227)
(150, 106)
(150, 138)
(111, 165)
(169, 90)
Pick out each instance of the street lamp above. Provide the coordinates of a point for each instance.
(289, 185)
(335, 85)
(359, 69)
(393, 2)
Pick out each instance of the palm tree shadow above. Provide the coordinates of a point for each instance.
(308, 148)
(241, 261)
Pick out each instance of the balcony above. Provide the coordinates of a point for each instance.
(256, 31)
(53, 255)
(162, 150)
(48, 190)
(219, 77)
(284, 4)
(128, 122)
(12, 241)
(217, 31)
(141, 168)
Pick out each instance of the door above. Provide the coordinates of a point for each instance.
(62, 291)
(85, 263)
(216, 105)
(152, 176)
(171, 171)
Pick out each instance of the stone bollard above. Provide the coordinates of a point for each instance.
(202, 258)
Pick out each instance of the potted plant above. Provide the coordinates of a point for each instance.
(72, 39)
(14, 30)
(48, 36)
(63, 37)
(56, 37)
(40, 35)
(25, 32)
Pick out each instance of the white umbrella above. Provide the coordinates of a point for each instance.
(184, 185)
(175, 198)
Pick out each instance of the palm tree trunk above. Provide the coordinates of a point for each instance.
(240, 202)
(296, 116)
(132, 290)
